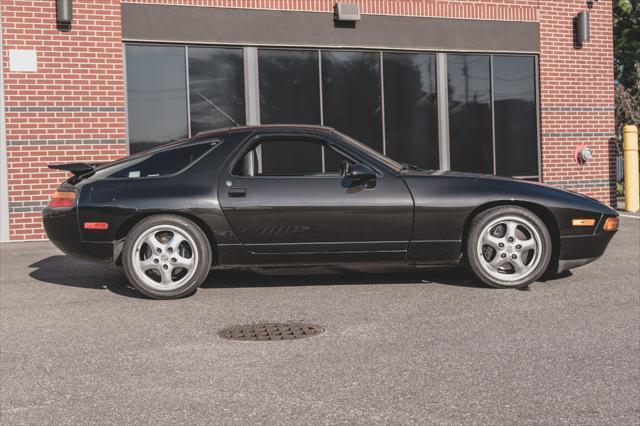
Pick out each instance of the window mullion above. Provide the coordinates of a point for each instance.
(384, 131)
(186, 73)
(493, 114)
(443, 111)
(251, 86)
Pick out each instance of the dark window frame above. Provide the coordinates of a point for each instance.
(386, 129)
(472, 142)
(377, 53)
(318, 84)
(536, 100)
(240, 119)
(127, 88)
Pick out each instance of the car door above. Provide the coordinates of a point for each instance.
(284, 193)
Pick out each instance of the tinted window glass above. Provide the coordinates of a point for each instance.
(289, 86)
(470, 135)
(161, 163)
(333, 161)
(289, 158)
(156, 95)
(351, 95)
(216, 88)
(514, 92)
(389, 162)
(411, 116)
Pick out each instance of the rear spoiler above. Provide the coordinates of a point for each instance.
(77, 169)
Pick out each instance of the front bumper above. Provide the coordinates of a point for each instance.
(579, 250)
(565, 265)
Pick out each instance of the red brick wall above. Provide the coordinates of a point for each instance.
(72, 108)
(576, 91)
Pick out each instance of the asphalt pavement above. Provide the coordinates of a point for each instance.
(78, 346)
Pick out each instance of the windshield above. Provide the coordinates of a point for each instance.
(372, 152)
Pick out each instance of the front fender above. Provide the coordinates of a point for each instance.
(443, 203)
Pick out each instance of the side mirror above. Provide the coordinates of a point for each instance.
(361, 172)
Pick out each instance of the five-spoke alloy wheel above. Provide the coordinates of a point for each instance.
(166, 256)
(508, 246)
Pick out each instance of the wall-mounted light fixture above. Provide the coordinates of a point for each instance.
(64, 11)
(582, 21)
(590, 3)
(346, 12)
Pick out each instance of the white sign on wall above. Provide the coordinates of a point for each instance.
(23, 61)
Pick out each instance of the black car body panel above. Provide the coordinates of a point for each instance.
(408, 216)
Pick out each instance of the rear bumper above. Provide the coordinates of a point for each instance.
(95, 251)
(61, 224)
(62, 229)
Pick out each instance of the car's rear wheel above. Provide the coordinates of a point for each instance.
(508, 247)
(166, 257)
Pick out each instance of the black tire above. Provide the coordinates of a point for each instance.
(201, 256)
(482, 271)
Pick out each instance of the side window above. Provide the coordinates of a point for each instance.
(290, 157)
(162, 163)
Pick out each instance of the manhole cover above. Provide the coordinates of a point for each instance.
(271, 332)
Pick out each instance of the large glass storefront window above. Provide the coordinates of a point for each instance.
(410, 109)
(351, 94)
(470, 133)
(216, 88)
(387, 100)
(289, 86)
(156, 95)
(514, 92)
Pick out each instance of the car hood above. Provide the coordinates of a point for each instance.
(518, 185)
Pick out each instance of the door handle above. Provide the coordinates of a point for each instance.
(236, 191)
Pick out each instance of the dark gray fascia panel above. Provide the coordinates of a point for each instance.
(189, 24)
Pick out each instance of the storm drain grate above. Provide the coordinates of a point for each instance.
(271, 332)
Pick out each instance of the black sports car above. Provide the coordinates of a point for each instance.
(294, 195)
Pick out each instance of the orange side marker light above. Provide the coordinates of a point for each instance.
(611, 224)
(96, 225)
(583, 222)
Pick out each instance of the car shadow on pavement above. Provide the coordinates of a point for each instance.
(72, 272)
(553, 276)
(338, 275)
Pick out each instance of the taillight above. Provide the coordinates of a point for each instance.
(611, 224)
(62, 199)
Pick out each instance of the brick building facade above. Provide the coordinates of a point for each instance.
(70, 104)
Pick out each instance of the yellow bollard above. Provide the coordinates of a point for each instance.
(631, 174)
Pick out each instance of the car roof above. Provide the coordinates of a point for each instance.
(265, 127)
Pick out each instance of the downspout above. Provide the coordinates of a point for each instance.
(4, 181)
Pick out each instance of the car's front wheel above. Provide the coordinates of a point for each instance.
(508, 247)
(166, 257)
